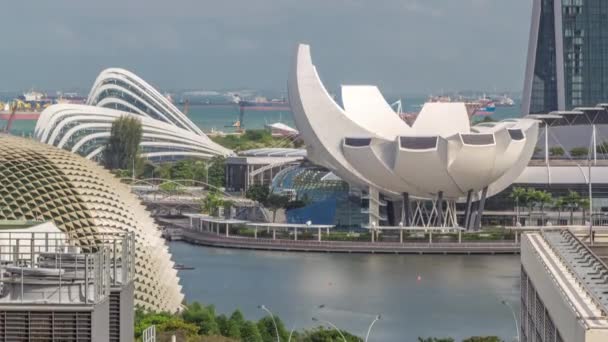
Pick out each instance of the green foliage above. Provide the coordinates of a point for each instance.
(250, 332)
(164, 322)
(122, 147)
(170, 187)
(556, 151)
(203, 317)
(268, 332)
(258, 193)
(322, 334)
(222, 323)
(482, 339)
(235, 323)
(253, 138)
(579, 152)
(275, 202)
(217, 172)
(212, 202)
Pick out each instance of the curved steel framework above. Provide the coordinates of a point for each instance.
(122, 90)
(41, 182)
(86, 129)
(439, 157)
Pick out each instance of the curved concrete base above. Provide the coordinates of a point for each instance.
(213, 240)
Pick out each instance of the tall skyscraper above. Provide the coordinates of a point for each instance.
(567, 62)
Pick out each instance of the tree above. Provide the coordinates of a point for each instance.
(121, 150)
(530, 199)
(212, 202)
(235, 323)
(583, 203)
(268, 332)
(203, 317)
(258, 193)
(321, 334)
(482, 339)
(222, 323)
(164, 322)
(519, 195)
(275, 202)
(559, 204)
(556, 151)
(572, 201)
(165, 171)
(217, 172)
(250, 332)
(542, 198)
(579, 152)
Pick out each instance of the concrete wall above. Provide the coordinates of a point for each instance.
(559, 308)
(127, 313)
(100, 321)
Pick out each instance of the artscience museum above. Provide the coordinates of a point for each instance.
(424, 168)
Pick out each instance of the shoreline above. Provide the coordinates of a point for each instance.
(342, 247)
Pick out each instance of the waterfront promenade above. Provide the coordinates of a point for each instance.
(180, 231)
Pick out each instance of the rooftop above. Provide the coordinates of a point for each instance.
(580, 273)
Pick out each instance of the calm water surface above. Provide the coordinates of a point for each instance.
(457, 296)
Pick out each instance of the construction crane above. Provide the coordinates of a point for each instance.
(239, 124)
(11, 118)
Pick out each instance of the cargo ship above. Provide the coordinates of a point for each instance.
(28, 106)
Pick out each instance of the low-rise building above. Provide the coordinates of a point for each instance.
(564, 282)
(52, 290)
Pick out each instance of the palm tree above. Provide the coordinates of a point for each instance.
(530, 198)
(543, 198)
(518, 194)
(573, 200)
(583, 203)
(559, 204)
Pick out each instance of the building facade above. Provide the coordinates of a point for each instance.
(567, 64)
(562, 289)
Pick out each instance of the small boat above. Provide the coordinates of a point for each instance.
(182, 267)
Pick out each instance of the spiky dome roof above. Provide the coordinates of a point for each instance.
(41, 182)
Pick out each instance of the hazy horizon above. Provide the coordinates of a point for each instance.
(413, 47)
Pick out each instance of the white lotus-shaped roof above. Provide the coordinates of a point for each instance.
(367, 143)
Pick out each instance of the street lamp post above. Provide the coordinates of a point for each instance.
(263, 307)
(376, 319)
(505, 303)
(332, 325)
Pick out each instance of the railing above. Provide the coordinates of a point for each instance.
(572, 268)
(45, 267)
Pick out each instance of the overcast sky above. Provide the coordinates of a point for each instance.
(407, 46)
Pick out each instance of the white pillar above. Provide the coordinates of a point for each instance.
(191, 222)
(227, 229)
(327, 231)
(372, 231)
(274, 234)
(459, 236)
(401, 235)
(255, 233)
(295, 234)
(430, 236)
(319, 234)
